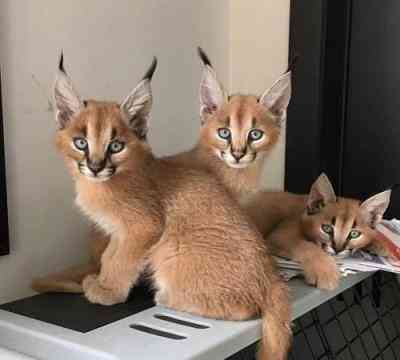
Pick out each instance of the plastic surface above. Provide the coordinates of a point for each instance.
(213, 339)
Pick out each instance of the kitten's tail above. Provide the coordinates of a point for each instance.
(276, 330)
(67, 281)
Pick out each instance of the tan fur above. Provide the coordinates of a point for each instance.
(290, 232)
(243, 112)
(204, 255)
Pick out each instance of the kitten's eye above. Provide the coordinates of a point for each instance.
(224, 133)
(80, 143)
(328, 229)
(354, 234)
(255, 135)
(116, 146)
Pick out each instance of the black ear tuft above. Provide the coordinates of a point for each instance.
(61, 62)
(203, 56)
(150, 72)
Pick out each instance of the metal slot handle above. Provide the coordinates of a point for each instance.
(157, 332)
(182, 322)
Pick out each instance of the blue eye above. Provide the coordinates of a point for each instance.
(255, 135)
(116, 146)
(328, 229)
(80, 143)
(224, 133)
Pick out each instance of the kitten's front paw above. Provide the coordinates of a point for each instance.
(96, 293)
(322, 273)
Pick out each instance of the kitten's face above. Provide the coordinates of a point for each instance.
(101, 139)
(241, 128)
(96, 143)
(339, 227)
(240, 132)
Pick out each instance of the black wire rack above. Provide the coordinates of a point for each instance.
(362, 323)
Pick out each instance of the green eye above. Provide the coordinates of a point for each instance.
(115, 146)
(80, 143)
(224, 133)
(328, 229)
(354, 234)
(255, 135)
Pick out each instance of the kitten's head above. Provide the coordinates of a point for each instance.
(342, 224)
(101, 139)
(239, 129)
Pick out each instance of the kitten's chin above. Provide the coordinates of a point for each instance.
(240, 165)
(97, 179)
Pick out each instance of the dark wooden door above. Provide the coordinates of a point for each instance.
(344, 118)
(4, 241)
(371, 158)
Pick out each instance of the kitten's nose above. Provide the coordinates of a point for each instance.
(238, 154)
(96, 166)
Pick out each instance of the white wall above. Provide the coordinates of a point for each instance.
(108, 45)
(259, 38)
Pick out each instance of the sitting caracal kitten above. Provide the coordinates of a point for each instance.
(308, 228)
(236, 135)
(176, 223)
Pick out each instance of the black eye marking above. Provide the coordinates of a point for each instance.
(85, 103)
(334, 220)
(113, 133)
(355, 224)
(84, 131)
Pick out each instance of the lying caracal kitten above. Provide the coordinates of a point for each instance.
(308, 228)
(237, 133)
(176, 223)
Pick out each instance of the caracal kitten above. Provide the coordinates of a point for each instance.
(176, 223)
(237, 133)
(307, 228)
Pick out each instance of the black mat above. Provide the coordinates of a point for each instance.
(74, 312)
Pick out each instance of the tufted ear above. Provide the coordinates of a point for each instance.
(66, 99)
(276, 99)
(212, 94)
(321, 193)
(374, 207)
(137, 105)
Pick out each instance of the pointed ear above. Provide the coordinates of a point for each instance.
(321, 193)
(374, 207)
(276, 98)
(137, 105)
(66, 99)
(212, 94)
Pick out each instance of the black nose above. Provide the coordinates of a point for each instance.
(238, 154)
(96, 166)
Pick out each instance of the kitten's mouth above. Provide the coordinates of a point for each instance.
(101, 176)
(233, 162)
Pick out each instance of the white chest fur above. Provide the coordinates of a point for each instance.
(97, 216)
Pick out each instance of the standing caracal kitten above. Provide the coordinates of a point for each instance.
(310, 228)
(236, 135)
(176, 223)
